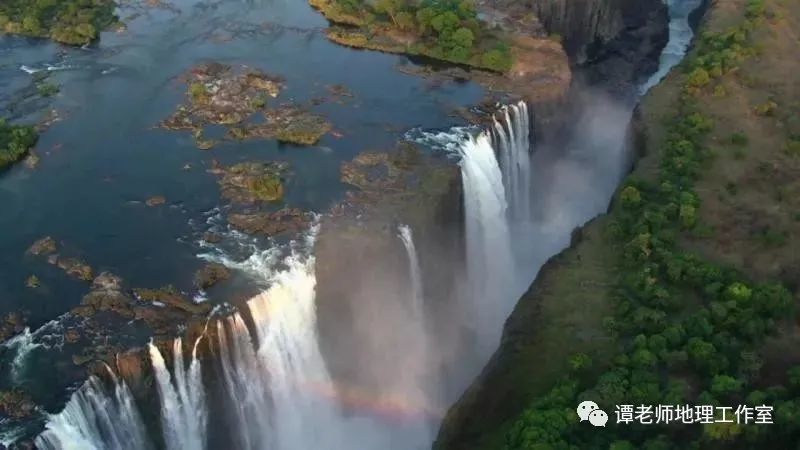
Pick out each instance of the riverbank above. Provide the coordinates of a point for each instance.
(674, 295)
(69, 22)
(509, 55)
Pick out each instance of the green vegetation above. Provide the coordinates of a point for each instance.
(688, 329)
(46, 89)
(74, 22)
(448, 30)
(15, 142)
(267, 188)
(198, 93)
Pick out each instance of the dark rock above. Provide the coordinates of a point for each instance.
(252, 182)
(43, 246)
(212, 238)
(76, 268)
(106, 295)
(169, 296)
(157, 200)
(16, 404)
(11, 324)
(210, 275)
(270, 224)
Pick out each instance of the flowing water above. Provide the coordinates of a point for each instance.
(95, 418)
(274, 390)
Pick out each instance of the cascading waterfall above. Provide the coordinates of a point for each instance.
(511, 140)
(183, 410)
(490, 263)
(417, 300)
(95, 420)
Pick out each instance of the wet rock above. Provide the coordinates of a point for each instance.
(32, 160)
(16, 404)
(367, 170)
(271, 223)
(212, 238)
(106, 295)
(289, 124)
(83, 358)
(11, 324)
(76, 268)
(219, 94)
(157, 200)
(210, 275)
(33, 282)
(43, 246)
(340, 90)
(170, 296)
(252, 182)
(72, 335)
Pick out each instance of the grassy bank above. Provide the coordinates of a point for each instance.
(73, 22)
(695, 315)
(447, 30)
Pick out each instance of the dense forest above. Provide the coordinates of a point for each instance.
(688, 329)
(74, 22)
(443, 29)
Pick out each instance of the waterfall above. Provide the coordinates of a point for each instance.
(490, 264)
(512, 144)
(246, 385)
(95, 420)
(183, 411)
(417, 300)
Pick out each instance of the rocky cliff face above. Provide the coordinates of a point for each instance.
(623, 37)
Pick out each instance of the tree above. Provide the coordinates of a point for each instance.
(630, 196)
(390, 8)
(405, 21)
(724, 385)
(463, 37)
(424, 19)
(445, 23)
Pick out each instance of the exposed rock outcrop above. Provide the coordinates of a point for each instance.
(623, 37)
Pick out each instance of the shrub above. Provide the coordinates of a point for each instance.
(739, 139)
(15, 142)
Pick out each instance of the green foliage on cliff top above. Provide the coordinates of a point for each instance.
(73, 22)
(688, 329)
(15, 142)
(448, 30)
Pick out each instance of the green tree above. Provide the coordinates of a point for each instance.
(463, 37)
(390, 8)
